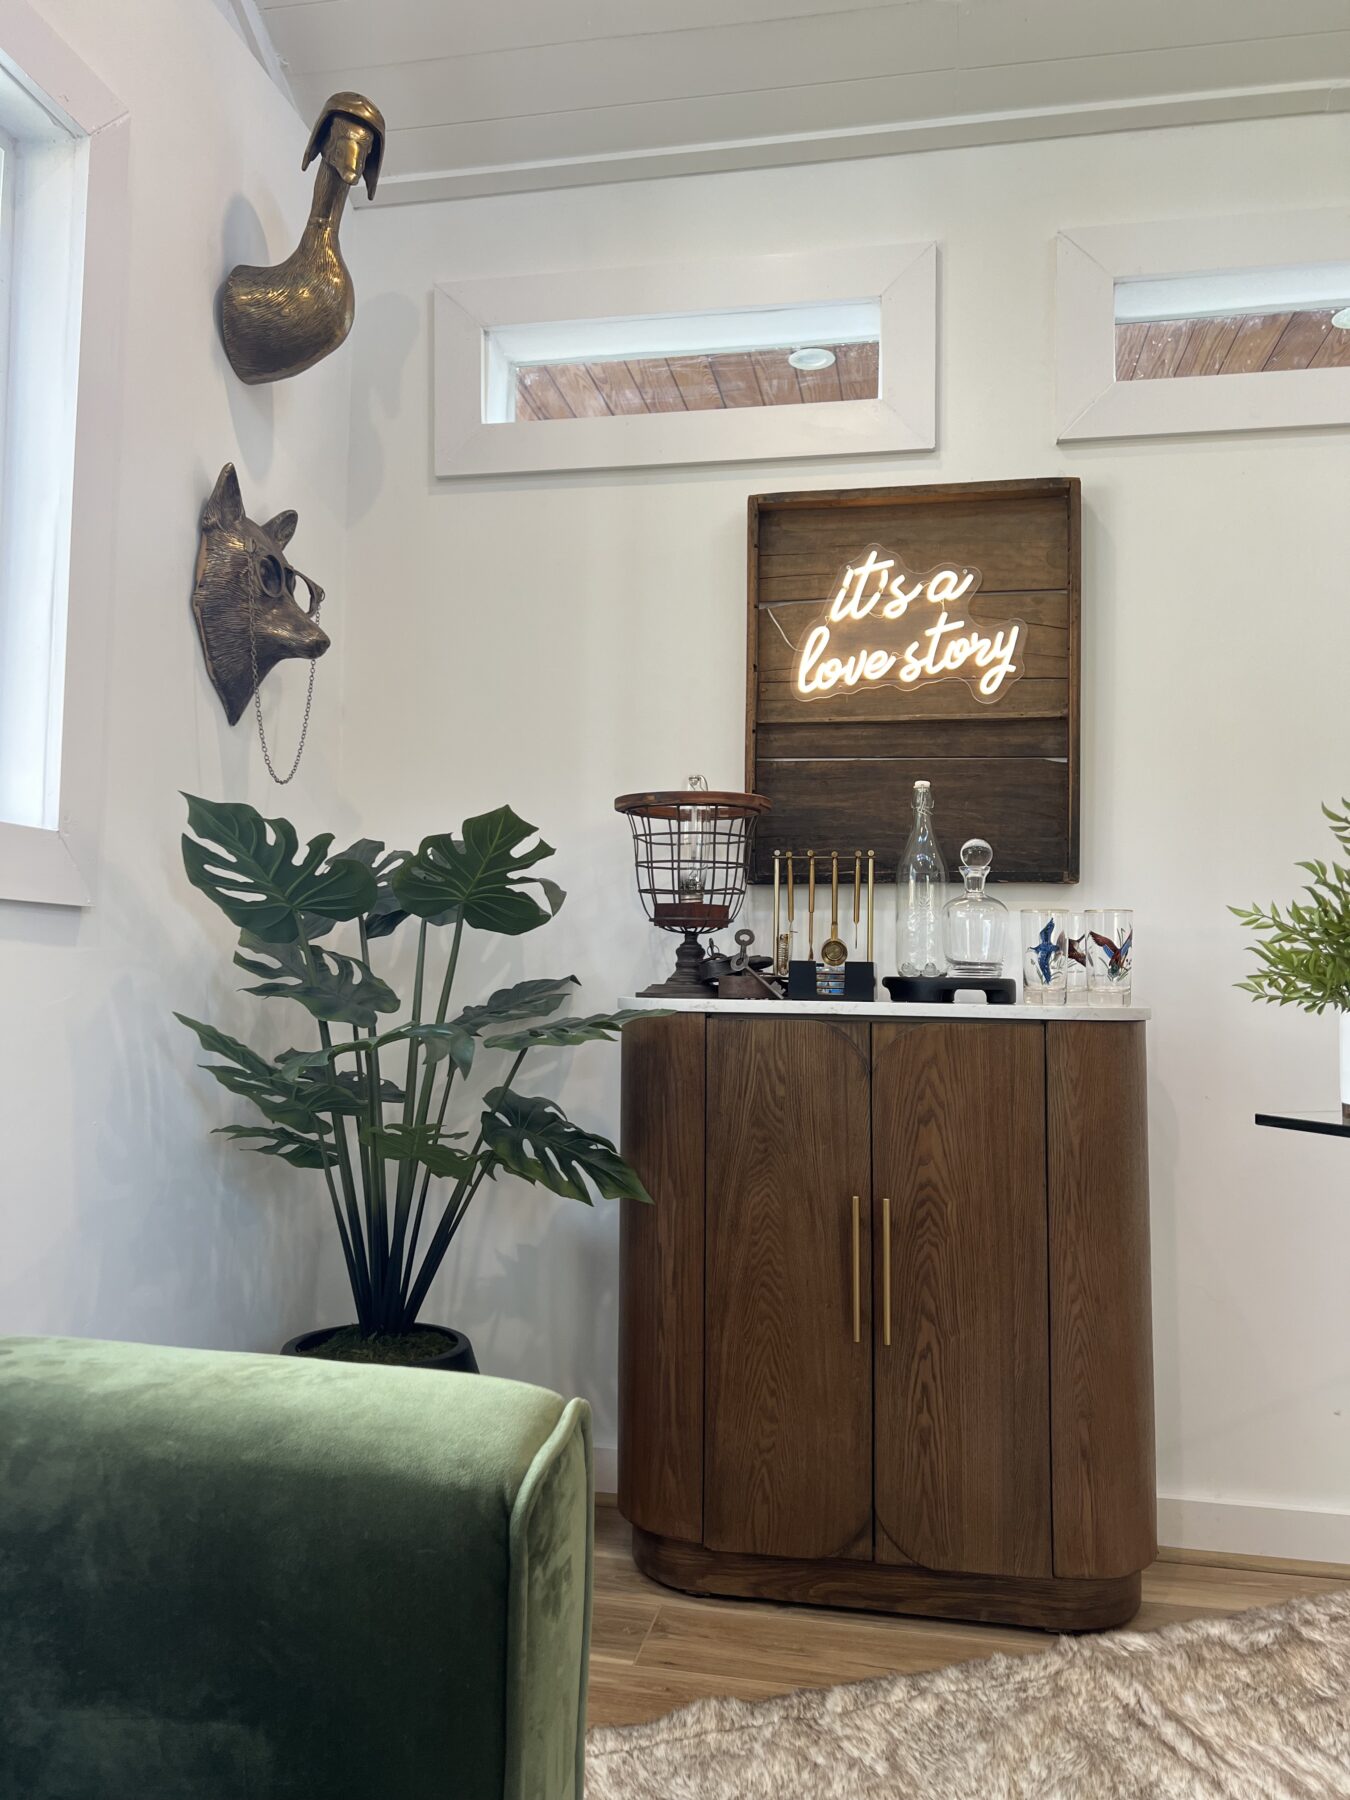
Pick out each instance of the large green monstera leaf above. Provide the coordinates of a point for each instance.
(533, 1138)
(280, 1092)
(480, 875)
(252, 868)
(341, 990)
(526, 1000)
(595, 1028)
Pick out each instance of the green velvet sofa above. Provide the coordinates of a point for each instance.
(234, 1577)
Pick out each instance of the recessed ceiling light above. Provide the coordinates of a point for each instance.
(1341, 319)
(812, 357)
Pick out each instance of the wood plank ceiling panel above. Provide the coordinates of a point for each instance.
(692, 383)
(1237, 344)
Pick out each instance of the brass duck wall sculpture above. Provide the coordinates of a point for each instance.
(280, 321)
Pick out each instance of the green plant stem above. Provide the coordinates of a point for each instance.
(407, 1173)
(448, 1223)
(380, 1194)
(424, 1098)
(358, 1292)
(364, 1294)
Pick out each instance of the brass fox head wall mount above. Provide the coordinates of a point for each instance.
(244, 597)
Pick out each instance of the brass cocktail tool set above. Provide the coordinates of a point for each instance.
(838, 973)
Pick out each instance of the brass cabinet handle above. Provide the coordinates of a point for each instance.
(886, 1271)
(857, 1269)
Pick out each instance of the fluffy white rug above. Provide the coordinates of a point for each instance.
(1253, 1707)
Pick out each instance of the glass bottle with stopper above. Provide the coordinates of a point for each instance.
(920, 890)
(975, 924)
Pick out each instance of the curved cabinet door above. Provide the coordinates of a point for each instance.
(963, 1385)
(788, 1415)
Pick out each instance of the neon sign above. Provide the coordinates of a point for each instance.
(888, 626)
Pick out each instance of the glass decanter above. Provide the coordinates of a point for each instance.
(920, 890)
(975, 924)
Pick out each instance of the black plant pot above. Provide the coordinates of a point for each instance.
(457, 1354)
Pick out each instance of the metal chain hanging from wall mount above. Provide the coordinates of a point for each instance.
(281, 780)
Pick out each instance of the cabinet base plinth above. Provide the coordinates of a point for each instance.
(1045, 1602)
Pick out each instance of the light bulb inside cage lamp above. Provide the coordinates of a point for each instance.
(811, 356)
(1341, 319)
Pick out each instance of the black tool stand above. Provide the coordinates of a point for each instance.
(860, 982)
(941, 990)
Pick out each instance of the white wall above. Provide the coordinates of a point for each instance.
(119, 1216)
(556, 641)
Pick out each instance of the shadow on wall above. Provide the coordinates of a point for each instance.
(377, 392)
(251, 408)
(166, 1238)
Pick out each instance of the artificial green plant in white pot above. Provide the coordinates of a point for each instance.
(1303, 952)
(372, 1104)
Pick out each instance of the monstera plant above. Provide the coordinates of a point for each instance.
(371, 1106)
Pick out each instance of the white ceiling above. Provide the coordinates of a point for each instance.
(495, 96)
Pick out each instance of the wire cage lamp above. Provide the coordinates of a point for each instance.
(690, 851)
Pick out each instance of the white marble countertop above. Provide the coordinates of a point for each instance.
(889, 1009)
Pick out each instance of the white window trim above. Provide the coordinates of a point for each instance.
(56, 866)
(1091, 403)
(903, 416)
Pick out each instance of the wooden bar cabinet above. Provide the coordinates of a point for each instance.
(885, 1331)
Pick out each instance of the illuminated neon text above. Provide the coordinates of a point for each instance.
(879, 591)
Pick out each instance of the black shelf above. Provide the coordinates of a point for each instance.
(1330, 1123)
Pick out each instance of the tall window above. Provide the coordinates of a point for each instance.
(62, 226)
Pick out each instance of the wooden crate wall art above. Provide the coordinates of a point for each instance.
(922, 631)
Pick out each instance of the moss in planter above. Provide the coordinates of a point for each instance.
(350, 1345)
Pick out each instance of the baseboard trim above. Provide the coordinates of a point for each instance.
(1266, 1533)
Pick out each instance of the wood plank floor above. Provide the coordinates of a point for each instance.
(653, 1649)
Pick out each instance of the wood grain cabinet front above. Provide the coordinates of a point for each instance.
(884, 1332)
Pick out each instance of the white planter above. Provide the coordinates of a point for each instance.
(1345, 1063)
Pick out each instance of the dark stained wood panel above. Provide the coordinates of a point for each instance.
(1101, 1343)
(1022, 793)
(822, 805)
(661, 1277)
(1044, 659)
(788, 1430)
(892, 739)
(1231, 344)
(963, 1387)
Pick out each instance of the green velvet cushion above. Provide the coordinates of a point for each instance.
(232, 1577)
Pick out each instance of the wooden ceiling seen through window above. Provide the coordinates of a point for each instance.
(1230, 344)
(670, 384)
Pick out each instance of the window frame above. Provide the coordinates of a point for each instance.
(1091, 404)
(903, 417)
(54, 863)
